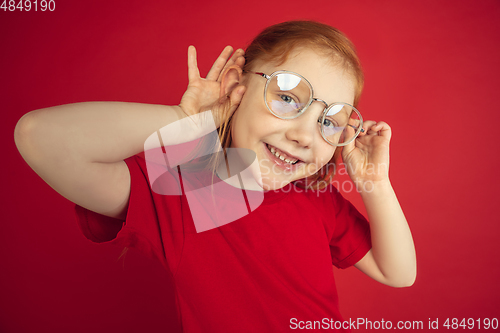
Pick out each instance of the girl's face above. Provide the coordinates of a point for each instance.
(255, 128)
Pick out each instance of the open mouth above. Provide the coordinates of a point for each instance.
(282, 156)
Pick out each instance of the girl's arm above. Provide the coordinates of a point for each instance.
(79, 149)
(392, 258)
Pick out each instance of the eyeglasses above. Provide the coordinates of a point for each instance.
(288, 95)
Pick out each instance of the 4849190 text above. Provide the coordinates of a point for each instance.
(28, 5)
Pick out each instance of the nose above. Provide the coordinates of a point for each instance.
(303, 130)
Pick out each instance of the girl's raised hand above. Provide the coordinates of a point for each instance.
(367, 157)
(205, 94)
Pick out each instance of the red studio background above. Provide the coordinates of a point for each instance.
(432, 71)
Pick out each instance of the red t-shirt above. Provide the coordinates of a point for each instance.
(254, 274)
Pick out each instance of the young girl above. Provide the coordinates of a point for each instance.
(291, 100)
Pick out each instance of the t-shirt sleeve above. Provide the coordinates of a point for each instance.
(351, 238)
(141, 229)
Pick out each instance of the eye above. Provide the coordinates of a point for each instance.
(287, 99)
(330, 126)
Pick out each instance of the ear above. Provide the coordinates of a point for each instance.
(230, 80)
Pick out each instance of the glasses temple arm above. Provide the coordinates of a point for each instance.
(258, 73)
(362, 130)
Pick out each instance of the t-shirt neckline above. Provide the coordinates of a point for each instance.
(270, 196)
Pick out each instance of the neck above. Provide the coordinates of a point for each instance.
(240, 169)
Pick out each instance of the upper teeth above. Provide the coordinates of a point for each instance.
(283, 156)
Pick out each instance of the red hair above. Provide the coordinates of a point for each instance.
(276, 42)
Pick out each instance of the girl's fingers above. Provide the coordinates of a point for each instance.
(238, 56)
(219, 64)
(235, 59)
(240, 60)
(381, 128)
(349, 147)
(366, 127)
(193, 72)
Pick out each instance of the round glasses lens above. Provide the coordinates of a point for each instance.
(340, 123)
(287, 94)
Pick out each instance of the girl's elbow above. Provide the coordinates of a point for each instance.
(22, 131)
(403, 282)
(27, 138)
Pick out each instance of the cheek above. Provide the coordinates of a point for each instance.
(252, 119)
(244, 127)
(323, 155)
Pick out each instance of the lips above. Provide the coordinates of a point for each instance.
(282, 155)
(282, 158)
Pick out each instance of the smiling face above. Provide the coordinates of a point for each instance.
(278, 143)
